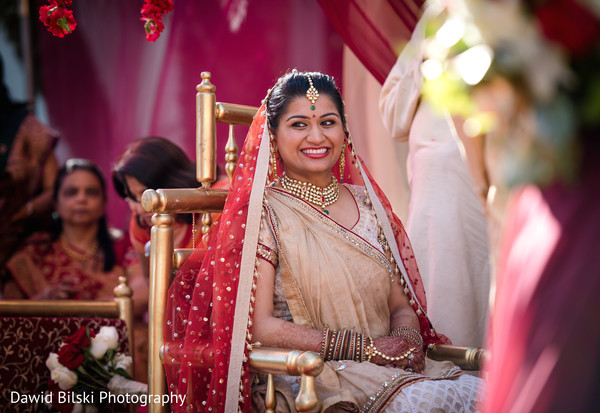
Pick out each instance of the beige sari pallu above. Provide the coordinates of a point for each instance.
(334, 278)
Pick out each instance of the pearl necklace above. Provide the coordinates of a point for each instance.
(311, 193)
(77, 256)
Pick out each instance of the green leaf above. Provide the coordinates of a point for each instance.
(64, 24)
(122, 372)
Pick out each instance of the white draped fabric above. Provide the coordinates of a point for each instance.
(446, 222)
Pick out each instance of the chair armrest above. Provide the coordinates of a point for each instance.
(286, 362)
(467, 358)
(180, 255)
(306, 364)
(58, 308)
(183, 200)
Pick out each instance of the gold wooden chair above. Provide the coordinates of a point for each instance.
(164, 259)
(31, 329)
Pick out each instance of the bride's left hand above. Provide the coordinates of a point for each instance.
(394, 347)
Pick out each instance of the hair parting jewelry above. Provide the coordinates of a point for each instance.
(321, 197)
(312, 94)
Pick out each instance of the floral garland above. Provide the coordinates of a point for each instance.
(531, 65)
(60, 21)
(58, 18)
(152, 14)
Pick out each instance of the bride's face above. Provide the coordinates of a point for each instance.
(310, 141)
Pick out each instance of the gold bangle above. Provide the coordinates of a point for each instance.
(325, 349)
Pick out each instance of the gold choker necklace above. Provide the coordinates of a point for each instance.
(77, 256)
(314, 194)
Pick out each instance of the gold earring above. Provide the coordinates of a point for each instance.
(342, 162)
(274, 163)
(352, 153)
(273, 156)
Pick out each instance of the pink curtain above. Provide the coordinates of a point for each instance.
(544, 332)
(375, 30)
(105, 85)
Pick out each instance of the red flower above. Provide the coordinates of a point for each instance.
(70, 356)
(153, 29)
(57, 18)
(80, 337)
(152, 13)
(570, 24)
(165, 5)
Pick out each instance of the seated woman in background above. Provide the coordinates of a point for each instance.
(154, 163)
(309, 259)
(81, 259)
(28, 170)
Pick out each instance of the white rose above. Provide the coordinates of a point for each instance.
(106, 339)
(123, 361)
(120, 385)
(64, 377)
(52, 361)
(48, 399)
(84, 408)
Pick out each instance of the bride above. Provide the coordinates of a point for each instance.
(309, 256)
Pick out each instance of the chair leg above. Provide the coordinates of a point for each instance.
(270, 400)
(307, 400)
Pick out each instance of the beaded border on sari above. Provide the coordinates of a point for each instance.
(390, 389)
(262, 251)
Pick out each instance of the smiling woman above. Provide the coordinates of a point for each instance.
(301, 260)
(310, 141)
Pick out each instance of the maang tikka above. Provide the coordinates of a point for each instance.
(312, 94)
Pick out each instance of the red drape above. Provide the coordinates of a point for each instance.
(545, 331)
(375, 30)
(105, 85)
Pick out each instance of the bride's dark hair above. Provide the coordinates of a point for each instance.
(294, 84)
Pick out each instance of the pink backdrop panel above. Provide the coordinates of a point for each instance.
(105, 85)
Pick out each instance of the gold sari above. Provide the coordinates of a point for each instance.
(333, 277)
